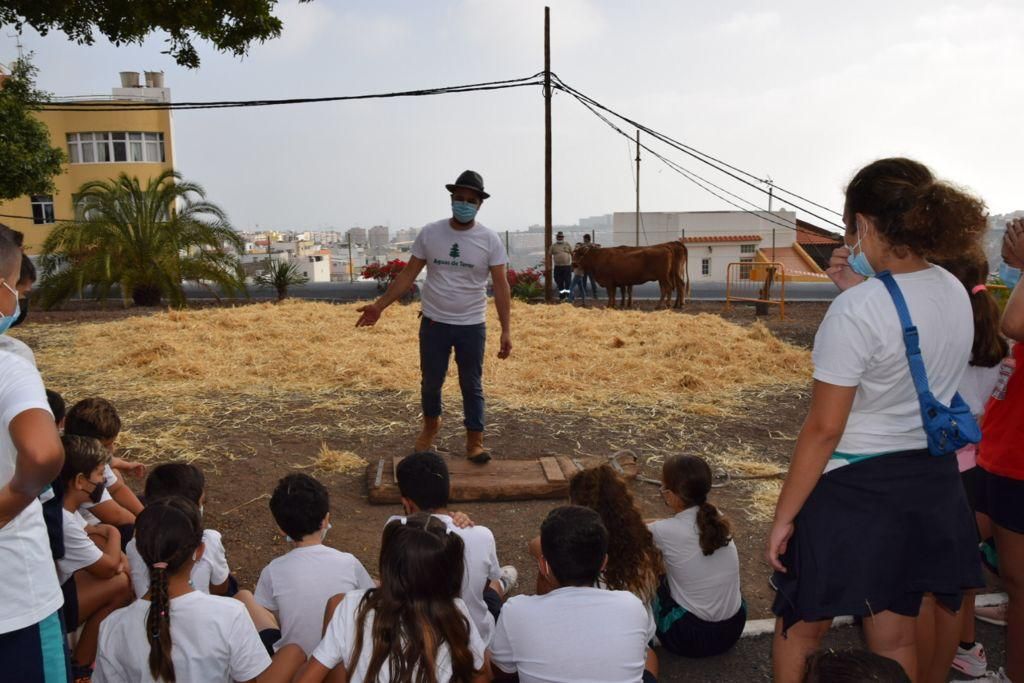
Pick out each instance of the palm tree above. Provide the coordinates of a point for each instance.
(280, 275)
(148, 241)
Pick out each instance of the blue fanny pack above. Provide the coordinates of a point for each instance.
(949, 428)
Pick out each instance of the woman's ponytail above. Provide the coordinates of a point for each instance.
(167, 532)
(689, 477)
(971, 268)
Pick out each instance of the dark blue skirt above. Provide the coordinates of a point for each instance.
(875, 536)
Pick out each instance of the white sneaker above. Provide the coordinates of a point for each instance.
(971, 662)
(509, 579)
(995, 677)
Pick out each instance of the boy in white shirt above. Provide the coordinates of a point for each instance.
(210, 574)
(97, 418)
(425, 487)
(94, 577)
(293, 590)
(576, 632)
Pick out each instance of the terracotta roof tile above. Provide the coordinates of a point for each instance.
(715, 239)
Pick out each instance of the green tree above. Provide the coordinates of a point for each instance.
(280, 275)
(230, 25)
(148, 241)
(27, 161)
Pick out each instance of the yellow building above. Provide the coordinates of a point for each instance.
(100, 145)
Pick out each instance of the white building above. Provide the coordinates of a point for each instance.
(316, 267)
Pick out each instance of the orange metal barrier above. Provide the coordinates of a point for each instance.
(759, 283)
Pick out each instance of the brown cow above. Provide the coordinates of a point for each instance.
(621, 267)
(679, 275)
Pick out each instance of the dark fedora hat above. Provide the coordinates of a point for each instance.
(470, 180)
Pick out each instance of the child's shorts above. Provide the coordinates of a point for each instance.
(36, 653)
(1002, 499)
(683, 633)
(270, 636)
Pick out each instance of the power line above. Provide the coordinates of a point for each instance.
(717, 164)
(227, 104)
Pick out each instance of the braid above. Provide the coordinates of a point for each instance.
(158, 626)
(167, 533)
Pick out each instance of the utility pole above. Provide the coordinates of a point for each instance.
(773, 245)
(351, 276)
(638, 187)
(548, 288)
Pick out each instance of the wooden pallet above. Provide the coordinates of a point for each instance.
(545, 476)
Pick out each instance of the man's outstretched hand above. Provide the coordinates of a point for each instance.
(506, 346)
(370, 315)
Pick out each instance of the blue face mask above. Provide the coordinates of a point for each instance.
(858, 261)
(1009, 275)
(464, 212)
(8, 320)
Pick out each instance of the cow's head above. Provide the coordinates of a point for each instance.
(581, 250)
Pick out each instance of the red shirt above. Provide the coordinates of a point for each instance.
(1001, 450)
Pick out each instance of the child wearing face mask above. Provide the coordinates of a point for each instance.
(293, 590)
(93, 570)
(211, 573)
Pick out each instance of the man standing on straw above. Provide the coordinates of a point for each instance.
(459, 254)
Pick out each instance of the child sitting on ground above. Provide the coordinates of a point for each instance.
(295, 587)
(424, 484)
(413, 623)
(177, 633)
(699, 611)
(853, 666)
(94, 578)
(97, 418)
(210, 574)
(577, 632)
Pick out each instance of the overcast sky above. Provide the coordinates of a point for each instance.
(803, 91)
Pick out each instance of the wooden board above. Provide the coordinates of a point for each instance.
(541, 477)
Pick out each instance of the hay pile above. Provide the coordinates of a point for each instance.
(187, 381)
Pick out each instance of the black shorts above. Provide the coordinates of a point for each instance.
(269, 636)
(969, 478)
(36, 653)
(1002, 499)
(493, 601)
(691, 636)
(875, 536)
(69, 611)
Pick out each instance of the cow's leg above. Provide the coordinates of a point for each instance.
(611, 296)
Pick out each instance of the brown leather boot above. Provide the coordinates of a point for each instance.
(425, 441)
(475, 450)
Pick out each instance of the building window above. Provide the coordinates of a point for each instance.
(747, 262)
(42, 209)
(705, 267)
(117, 147)
(748, 248)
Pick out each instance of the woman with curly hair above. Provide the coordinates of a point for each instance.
(634, 563)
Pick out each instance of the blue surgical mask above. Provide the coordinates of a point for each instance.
(858, 260)
(464, 212)
(7, 320)
(1009, 275)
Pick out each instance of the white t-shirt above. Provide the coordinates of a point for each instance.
(213, 640)
(109, 478)
(860, 344)
(17, 347)
(706, 586)
(481, 557)
(211, 569)
(29, 591)
(977, 385)
(79, 550)
(339, 639)
(573, 634)
(458, 265)
(298, 585)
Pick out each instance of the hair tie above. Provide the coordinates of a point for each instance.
(159, 565)
(979, 288)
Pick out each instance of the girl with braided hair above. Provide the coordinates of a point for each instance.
(174, 632)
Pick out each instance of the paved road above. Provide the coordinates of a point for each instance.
(356, 291)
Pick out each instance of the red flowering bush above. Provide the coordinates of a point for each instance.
(383, 273)
(525, 283)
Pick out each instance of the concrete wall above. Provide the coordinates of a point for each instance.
(664, 226)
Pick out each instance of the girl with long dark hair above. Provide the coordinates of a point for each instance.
(414, 628)
(175, 632)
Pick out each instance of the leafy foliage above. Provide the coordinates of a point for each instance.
(525, 283)
(147, 241)
(280, 275)
(230, 25)
(383, 273)
(27, 161)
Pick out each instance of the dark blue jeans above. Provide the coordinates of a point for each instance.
(436, 343)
